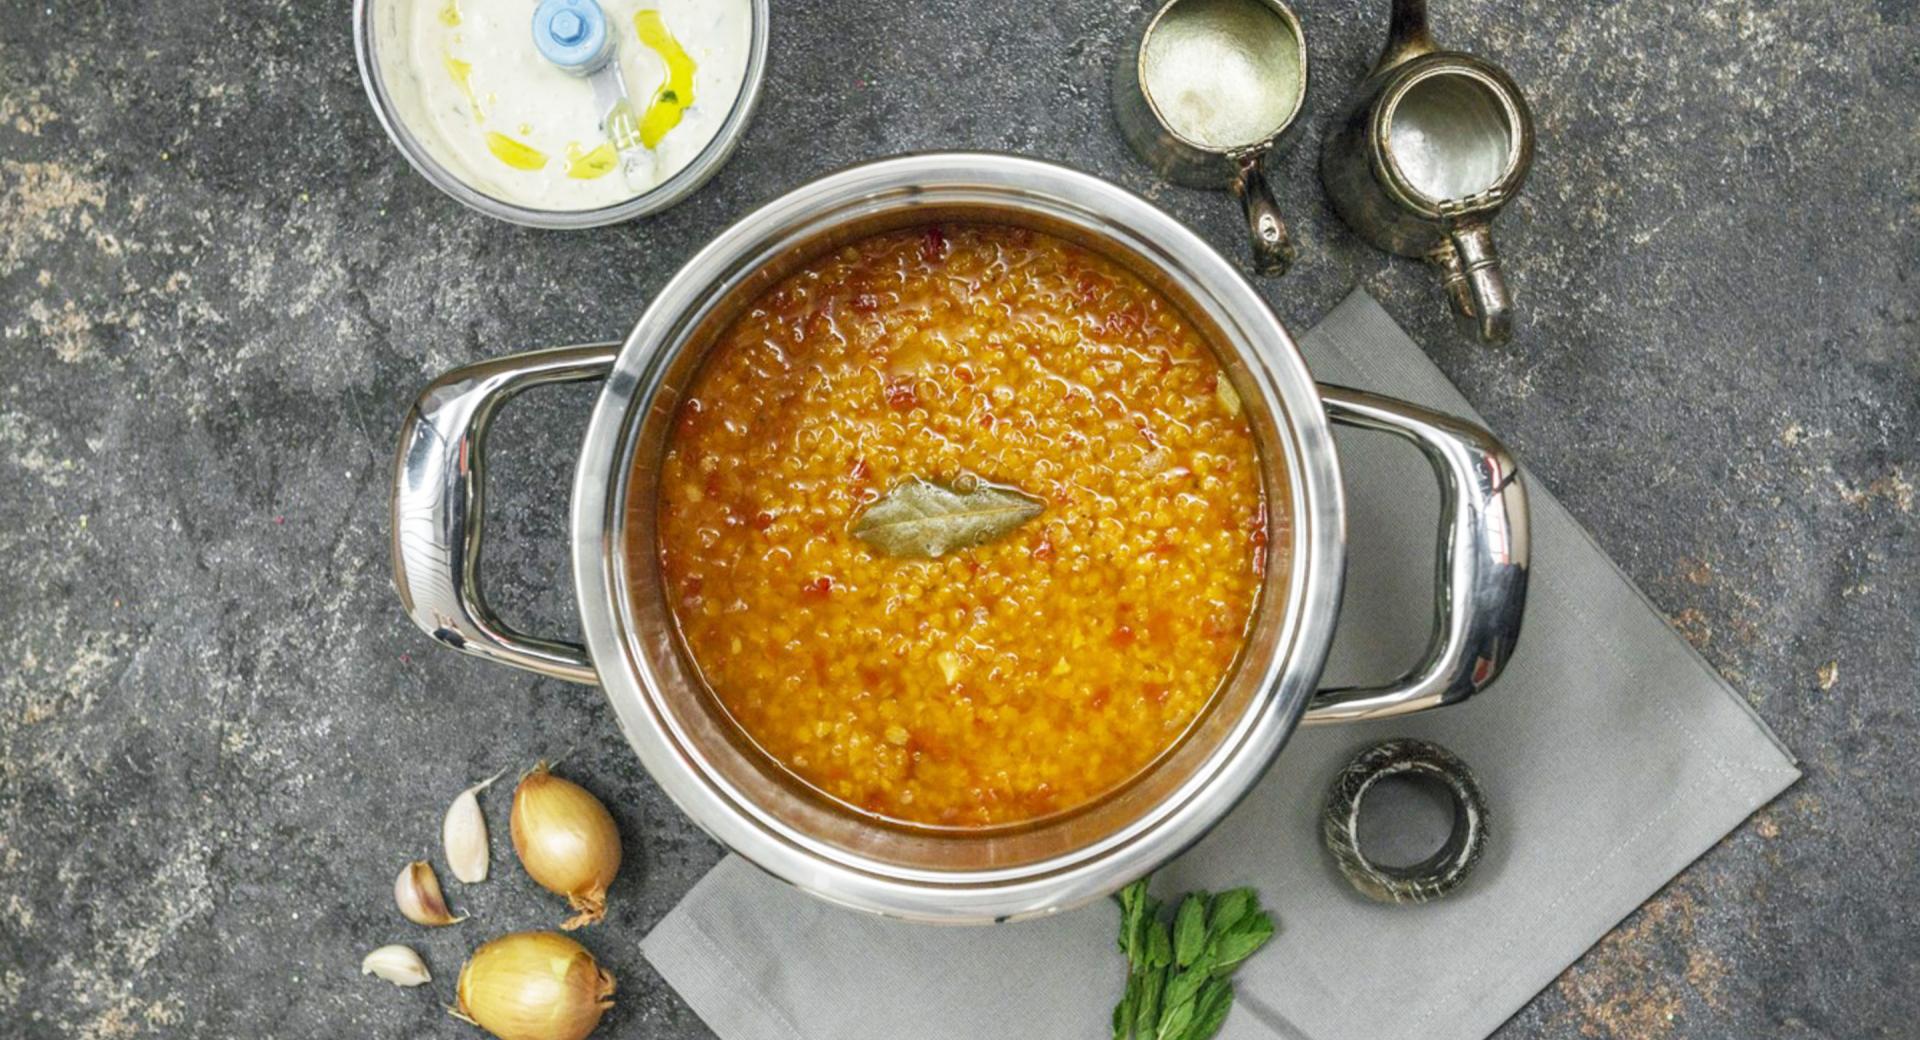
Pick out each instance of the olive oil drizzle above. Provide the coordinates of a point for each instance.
(663, 113)
(517, 154)
(585, 165)
(671, 99)
(462, 73)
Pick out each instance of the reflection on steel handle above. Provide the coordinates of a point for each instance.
(1480, 585)
(1273, 251)
(1474, 282)
(438, 491)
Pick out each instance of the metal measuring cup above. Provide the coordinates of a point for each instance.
(1429, 148)
(1208, 92)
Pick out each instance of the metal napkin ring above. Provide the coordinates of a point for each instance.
(1437, 874)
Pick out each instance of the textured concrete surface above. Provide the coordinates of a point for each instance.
(220, 287)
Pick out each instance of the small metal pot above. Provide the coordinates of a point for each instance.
(744, 800)
(1199, 61)
(375, 30)
(1428, 149)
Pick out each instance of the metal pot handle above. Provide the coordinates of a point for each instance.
(1480, 588)
(438, 490)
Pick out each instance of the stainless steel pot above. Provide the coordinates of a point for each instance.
(698, 756)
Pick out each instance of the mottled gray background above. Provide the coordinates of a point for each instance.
(220, 287)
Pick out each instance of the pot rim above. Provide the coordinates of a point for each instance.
(1289, 674)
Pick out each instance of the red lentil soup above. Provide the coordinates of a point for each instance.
(997, 683)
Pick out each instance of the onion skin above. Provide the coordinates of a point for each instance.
(567, 841)
(534, 986)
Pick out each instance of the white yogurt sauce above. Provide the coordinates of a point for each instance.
(468, 69)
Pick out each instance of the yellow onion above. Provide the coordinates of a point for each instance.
(534, 986)
(567, 841)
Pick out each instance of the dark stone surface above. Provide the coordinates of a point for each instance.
(220, 287)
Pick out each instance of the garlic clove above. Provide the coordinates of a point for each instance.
(397, 964)
(464, 834)
(417, 892)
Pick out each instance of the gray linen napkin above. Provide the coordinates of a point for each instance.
(1611, 756)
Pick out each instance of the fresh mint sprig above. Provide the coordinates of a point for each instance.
(1179, 984)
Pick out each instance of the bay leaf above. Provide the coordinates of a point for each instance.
(920, 518)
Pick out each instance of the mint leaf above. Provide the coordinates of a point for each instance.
(1178, 984)
(1181, 990)
(1159, 945)
(1137, 910)
(1210, 1010)
(1129, 900)
(1174, 1020)
(1230, 907)
(1229, 949)
(1190, 929)
(1147, 1011)
(1140, 950)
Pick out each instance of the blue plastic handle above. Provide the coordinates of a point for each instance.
(572, 34)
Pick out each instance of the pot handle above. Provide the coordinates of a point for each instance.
(438, 507)
(1480, 584)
